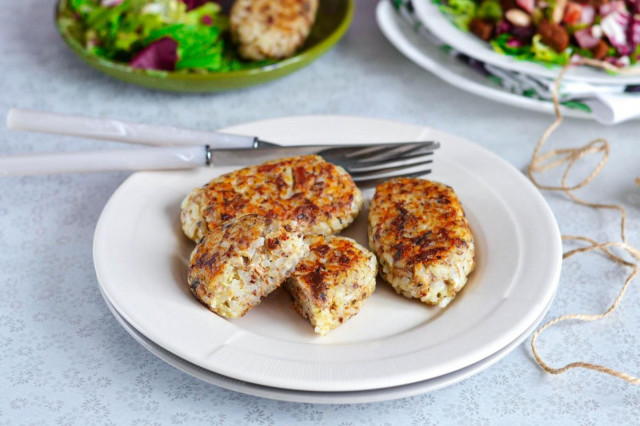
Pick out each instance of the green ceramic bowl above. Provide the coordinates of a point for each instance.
(332, 21)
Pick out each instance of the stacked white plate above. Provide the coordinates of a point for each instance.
(421, 33)
(395, 347)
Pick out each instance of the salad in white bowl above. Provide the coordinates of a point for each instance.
(538, 37)
(553, 31)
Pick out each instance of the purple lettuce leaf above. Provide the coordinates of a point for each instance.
(194, 4)
(586, 39)
(615, 26)
(634, 32)
(162, 54)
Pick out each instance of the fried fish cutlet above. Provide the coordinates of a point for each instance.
(421, 236)
(238, 263)
(321, 197)
(332, 281)
(271, 29)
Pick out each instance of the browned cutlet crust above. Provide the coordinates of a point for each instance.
(332, 281)
(272, 29)
(337, 260)
(243, 260)
(320, 196)
(419, 231)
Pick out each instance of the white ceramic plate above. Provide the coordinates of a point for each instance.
(141, 258)
(428, 56)
(472, 46)
(354, 397)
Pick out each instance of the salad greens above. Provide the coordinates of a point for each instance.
(461, 11)
(170, 35)
(501, 45)
(543, 53)
(552, 31)
(490, 9)
(537, 51)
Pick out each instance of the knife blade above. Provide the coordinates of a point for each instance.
(260, 152)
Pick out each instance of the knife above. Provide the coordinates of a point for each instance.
(189, 156)
(178, 148)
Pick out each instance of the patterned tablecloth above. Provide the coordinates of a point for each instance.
(64, 360)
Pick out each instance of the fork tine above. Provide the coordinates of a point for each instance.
(388, 150)
(371, 164)
(374, 150)
(369, 181)
(396, 162)
(355, 153)
(389, 167)
(410, 156)
(395, 152)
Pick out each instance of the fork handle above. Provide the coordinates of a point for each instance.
(120, 131)
(101, 161)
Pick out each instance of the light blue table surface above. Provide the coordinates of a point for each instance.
(64, 360)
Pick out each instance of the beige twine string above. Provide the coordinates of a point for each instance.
(569, 157)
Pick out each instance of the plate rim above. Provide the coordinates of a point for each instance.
(370, 383)
(432, 18)
(315, 397)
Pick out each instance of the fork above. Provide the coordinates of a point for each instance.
(375, 163)
(183, 148)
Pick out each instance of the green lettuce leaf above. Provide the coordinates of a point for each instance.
(490, 9)
(542, 52)
(461, 12)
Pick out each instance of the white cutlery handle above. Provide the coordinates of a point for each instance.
(120, 131)
(100, 161)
